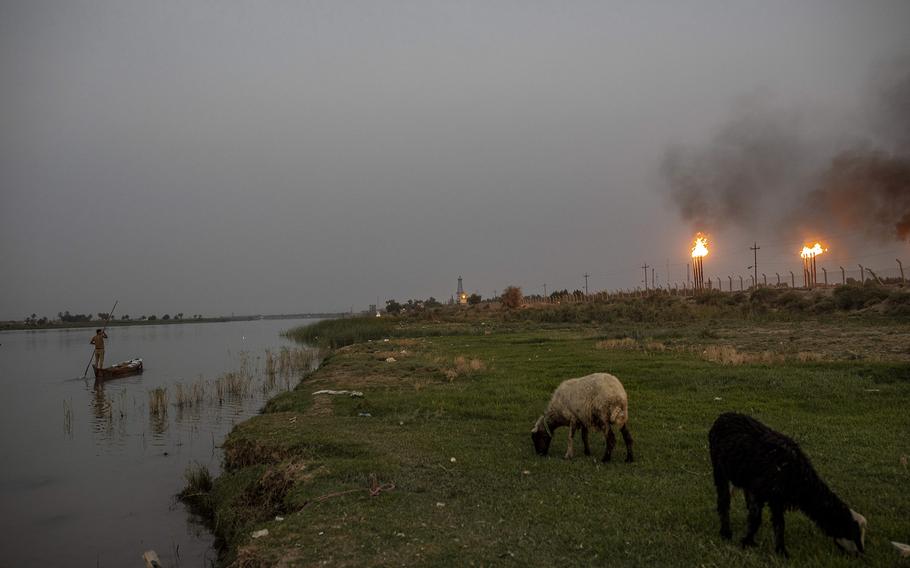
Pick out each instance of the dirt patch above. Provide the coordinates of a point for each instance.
(262, 439)
(268, 492)
(350, 379)
(321, 406)
(828, 341)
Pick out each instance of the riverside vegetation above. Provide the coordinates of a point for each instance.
(433, 464)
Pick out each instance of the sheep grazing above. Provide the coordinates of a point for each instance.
(595, 401)
(771, 468)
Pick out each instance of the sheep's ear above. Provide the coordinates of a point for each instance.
(536, 427)
(861, 520)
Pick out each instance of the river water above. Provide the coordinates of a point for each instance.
(89, 471)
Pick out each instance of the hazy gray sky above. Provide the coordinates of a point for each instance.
(283, 156)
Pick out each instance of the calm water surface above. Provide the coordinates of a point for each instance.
(88, 474)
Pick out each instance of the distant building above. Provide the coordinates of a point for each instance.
(460, 296)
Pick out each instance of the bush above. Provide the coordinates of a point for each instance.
(792, 300)
(512, 297)
(711, 297)
(856, 297)
(763, 296)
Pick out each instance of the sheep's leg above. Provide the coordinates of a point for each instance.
(584, 438)
(777, 520)
(722, 485)
(611, 442)
(627, 439)
(570, 450)
(755, 507)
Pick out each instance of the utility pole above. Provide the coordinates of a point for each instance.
(586, 283)
(652, 278)
(862, 274)
(778, 278)
(792, 280)
(843, 276)
(668, 274)
(902, 270)
(544, 289)
(755, 248)
(645, 268)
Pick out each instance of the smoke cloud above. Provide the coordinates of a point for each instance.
(762, 168)
(866, 190)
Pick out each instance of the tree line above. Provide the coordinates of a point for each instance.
(33, 320)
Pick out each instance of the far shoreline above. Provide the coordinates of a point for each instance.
(22, 326)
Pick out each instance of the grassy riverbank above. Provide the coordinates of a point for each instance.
(447, 407)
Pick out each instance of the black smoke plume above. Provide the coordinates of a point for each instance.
(761, 169)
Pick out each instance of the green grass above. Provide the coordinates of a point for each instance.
(498, 503)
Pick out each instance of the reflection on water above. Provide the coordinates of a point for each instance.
(100, 490)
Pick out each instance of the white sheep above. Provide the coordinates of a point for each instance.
(596, 401)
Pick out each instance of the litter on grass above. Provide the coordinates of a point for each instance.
(335, 392)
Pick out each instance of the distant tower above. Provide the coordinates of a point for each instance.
(462, 297)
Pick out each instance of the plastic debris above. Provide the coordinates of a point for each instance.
(365, 414)
(334, 392)
(440, 504)
(390, 360)
(279, 519)
(453, 460)
(259, 534)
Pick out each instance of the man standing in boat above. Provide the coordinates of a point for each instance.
(98, 342)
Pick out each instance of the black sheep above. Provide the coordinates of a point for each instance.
(771, 468)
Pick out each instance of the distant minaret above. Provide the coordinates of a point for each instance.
(462, 297)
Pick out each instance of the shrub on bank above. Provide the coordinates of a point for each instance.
(858, 297)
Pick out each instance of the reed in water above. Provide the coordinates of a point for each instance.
(158, 401)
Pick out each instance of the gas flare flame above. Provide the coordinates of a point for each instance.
(701, 246)
(814, 250)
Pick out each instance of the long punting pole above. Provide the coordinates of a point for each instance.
(103, 329)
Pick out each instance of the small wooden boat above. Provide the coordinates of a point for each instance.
(124, 369)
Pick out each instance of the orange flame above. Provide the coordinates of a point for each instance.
(701, 246)
(814, 250)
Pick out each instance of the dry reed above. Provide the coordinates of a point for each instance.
(190, 396)
(158, 402)
(68, 417)
(629, 344)
(626, 343)
(729, 355)
(464, 367)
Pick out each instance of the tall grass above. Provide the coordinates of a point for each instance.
(197, 492)
(158, 402)
(336, 333)
(189, 396)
